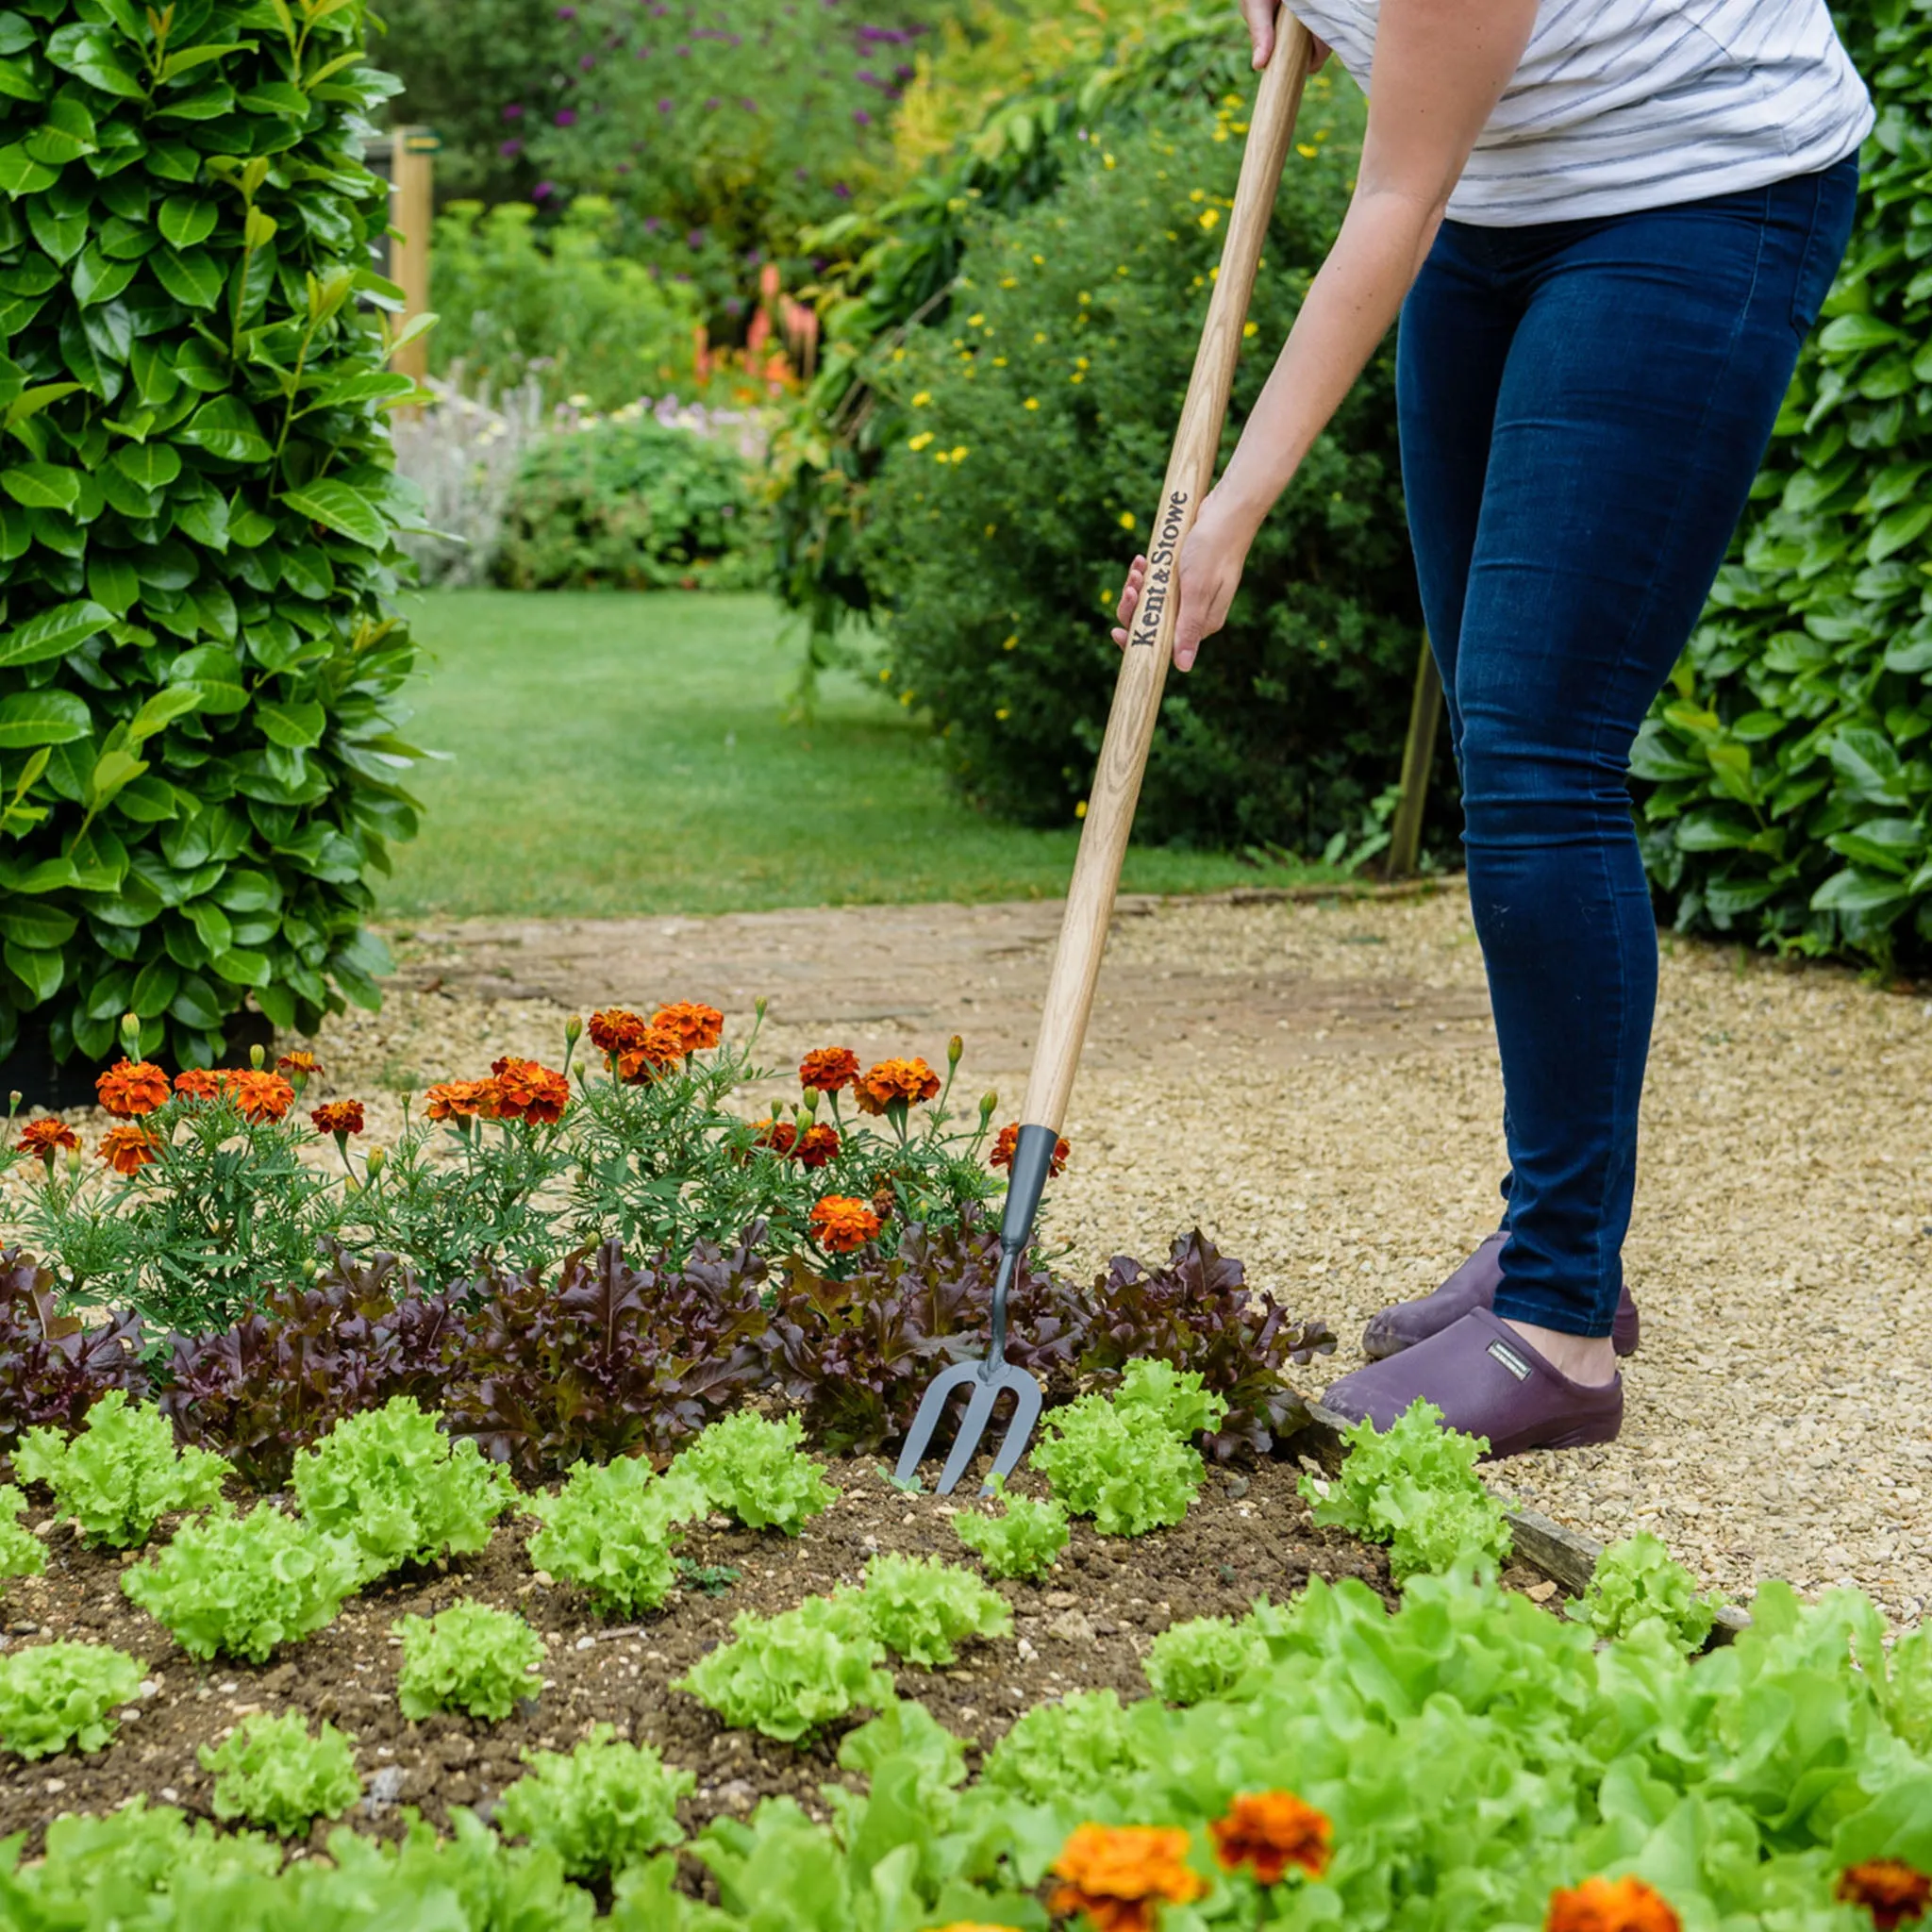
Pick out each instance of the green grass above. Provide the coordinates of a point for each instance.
(620, 754)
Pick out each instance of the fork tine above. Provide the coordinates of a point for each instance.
(1027, 1406)
(972, 1426)
(932, 1406)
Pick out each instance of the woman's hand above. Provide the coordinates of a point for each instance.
(1259, 15)
(1205, 578)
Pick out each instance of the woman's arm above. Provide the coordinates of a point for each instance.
(1441, 67)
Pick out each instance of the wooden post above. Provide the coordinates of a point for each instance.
(412, 211)
(1418, 762)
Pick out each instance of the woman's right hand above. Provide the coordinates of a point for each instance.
(1259, 15)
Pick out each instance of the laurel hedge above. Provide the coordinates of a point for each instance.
(198, 667)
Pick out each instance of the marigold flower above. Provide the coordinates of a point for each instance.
(657, 1052)
(45, 1136)
(1893, 1891)
(197, 1083)
(462, 1100)
(908, 1080)
(131, 1088)
(1610, 1905)
(779, 1136)
(1121, 1874)
(1002, 1155)
(819, 1146)
(127, 1150)
(840, 1223)
(302, 1063)
(260, 1096)
(342, 1117)
(827, 1069)
(528, 1090)
(617, 1030)
(1269, 1831)
(698, 1027)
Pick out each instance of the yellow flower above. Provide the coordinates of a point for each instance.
(1080, 362)
(1031, 403)
(1106, 160)
(905, 697)
(1084, 298)
(974, 321)
(999, 362)
(1038, 336)
(1126, 519)
(1081, 809)
(1249, 328)
(1209, 216)
(1003, 714)
(1307, 153)
(1239, 127)
(1011, 643)
(991, 529)
(959, 452)
(898, 354)
(938, 456)
(1040, 262)
(1009, 281)
(924, 397)
(1221, 134)
(1197, 195)
(1076, 376)
(918, 441)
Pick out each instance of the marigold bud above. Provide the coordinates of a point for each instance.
(257, 1059)
(987, 1101)
(573, 1029)
(955, 1048)
(13, 1101)
(374, 1165)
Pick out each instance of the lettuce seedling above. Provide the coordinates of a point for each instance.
(610, 1528)
(919, 1609)
(391, 1480)
(119, 1473)
(1127, 1462)
(1638, 1581)
(1174, 1398)
(468, 1657)
(271, 1772)
(1025, 1540)
(56, 1694)
(751, 1469)
(242, 1584)
(1205, 1658)
(906, 1729)
(600, 1807)
(1068, 1752)
(21, 1553)
(787, 1674)
(1415, 1488)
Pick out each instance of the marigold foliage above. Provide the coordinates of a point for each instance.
(1204, 1657)
(601, 1808)
(1024, 1540)
(467, 1657)
(241, 1585)
(1082, 1743)
(399, 1488)
(52, 1695)
(920, 1609)
(121, 1472)
(271, 1772)
(1415, 1488)
(1638, 1581)
(1125, 1461)
(753, 1468)
(610, 1528)
(789, 1675)
(21, 1553)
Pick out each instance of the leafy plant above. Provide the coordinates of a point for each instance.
(1204, 1657)
(1414, 1486)
(599, 1807)
(271, 1772)
(906, 1729)
(920, 1609)
(1084, 1742)
(1125, 1461)
(241, 1585)
(610, 1528)
(199, 530)
(1638, 1581)
(120, 1474)
(54, 1695)
(52, 1366)
(1024, 1540)
(21, 1553)
(393, 1484)
(751, 1468)
(789, 1675)
(467, 1657)
(1169, 1398)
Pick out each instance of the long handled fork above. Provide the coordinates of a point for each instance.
(1117, 783)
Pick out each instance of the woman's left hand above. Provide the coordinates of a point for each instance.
(1206, 579)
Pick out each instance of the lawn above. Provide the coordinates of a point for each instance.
(620, 754)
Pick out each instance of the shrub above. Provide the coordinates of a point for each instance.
(393, 1484)
(468, 1657)
(1414, 1486)
(610, 1528)
(1204, 1657)
(789, 1675)
(1638, 1581)
(199, 530)
(241, 1585)
(1024, 1539)
(21, 1553)
(52, 1366)
(1082, 1743)
(920, 1609)
(120, 1474)
(600, 1807)
(1127, 1462)
(52, 1695)
(271, 1772)
(753, 1468)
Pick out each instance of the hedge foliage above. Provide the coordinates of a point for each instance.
(1788, 769)
(197, 520)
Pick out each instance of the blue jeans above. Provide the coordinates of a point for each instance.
(1584, 405)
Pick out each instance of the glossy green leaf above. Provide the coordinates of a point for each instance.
(54, 632)
(41, 973)
(48, 716)
(41, 486)
(192, 275)
(226, 427)
(187, 220)
(339, 507)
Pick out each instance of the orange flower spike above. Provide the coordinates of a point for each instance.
(259, 1096)
(131, 1088)
(528, 1090)
(1611, 1905)
(1121, 1874)
(1893, 1891)
(1002, 1155)
(341, 1118)
(46, 1136)
(1266, 1832)
(129, 1149)
(197, 1083)
(698, 1027)
(829, 1069)
(840, 1223)
(818, 1148)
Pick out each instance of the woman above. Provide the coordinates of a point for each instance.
(1607, 226)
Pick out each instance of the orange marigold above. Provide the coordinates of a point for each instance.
(45, 1136)
(462, 1100)
(337, 1117)
(890, 1080)
(840, 1223)
(1893, 1891)
(260, 1096)
(127, 1150)
(1009, 1138)
(698, 1027)
(197, 1083)
(1121, 1874)
(819, 1146)
(132, 1087)
(528, 1090)
(303, 1063)
(657, 1052)
(829, 1069)
(1269, 1831)
(781, 1137)
(1610, 1905)
(618, 1030)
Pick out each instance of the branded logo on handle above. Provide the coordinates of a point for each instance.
(1160, 564)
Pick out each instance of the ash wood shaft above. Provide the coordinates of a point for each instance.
(1150, 643)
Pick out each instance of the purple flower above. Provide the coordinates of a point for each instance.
(514, 111)
(863, 119)
(566, 13)
(710, 104)
(664, 105)
(587, 62)
(643, 53)
(750, 106)
(695, 239)
(509, 148)
(870, 79)
(844, 193)
(801, 174)
(734, 304)
(684, 52)
(543, 190)
(624, 167)
(566, 117)
(680, 277)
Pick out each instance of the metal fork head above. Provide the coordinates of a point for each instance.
(990, 1380)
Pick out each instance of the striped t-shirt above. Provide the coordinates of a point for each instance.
(1629, 104)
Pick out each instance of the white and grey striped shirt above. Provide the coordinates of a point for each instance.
(1621, 105)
